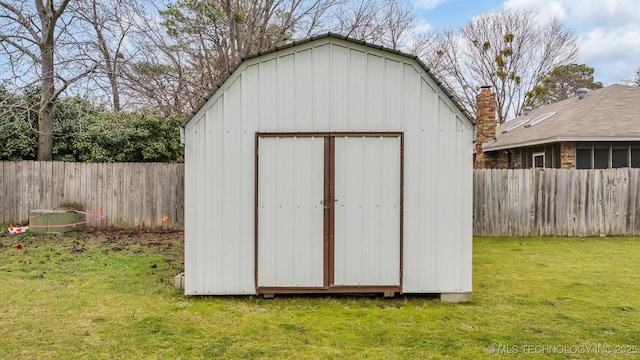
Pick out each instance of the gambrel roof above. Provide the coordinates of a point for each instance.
(341, 38)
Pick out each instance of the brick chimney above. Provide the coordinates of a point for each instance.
(486, 126)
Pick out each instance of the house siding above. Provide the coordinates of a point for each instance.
(568, 155)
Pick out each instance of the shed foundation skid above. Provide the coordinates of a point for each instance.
(455, 297)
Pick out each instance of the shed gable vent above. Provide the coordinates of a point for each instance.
(540, 119)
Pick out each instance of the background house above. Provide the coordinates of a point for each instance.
(326, 166)
(595, 130)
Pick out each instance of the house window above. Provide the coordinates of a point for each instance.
(601, 156)
(583, 156)
(547, 156)
(620, 155)
(605, 155)
(552, 156)
(635, 155)
(526, 158)
(538, 159)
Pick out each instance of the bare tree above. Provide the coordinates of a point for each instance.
(167, 78)
(389, 23)
(207, 39)
(108, 25)
(511, 51)
(42, 49)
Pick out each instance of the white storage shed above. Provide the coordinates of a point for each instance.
(329, 166)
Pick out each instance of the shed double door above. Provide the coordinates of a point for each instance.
(328, 212)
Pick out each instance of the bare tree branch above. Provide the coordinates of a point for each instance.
(509, 51)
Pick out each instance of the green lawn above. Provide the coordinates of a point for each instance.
(108, 295)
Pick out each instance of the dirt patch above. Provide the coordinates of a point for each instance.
(167, 243)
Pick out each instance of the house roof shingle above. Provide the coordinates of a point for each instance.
(608, 114)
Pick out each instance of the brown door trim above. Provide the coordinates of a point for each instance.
(328, 214)
(328, 210)
(401, 212)
(331, 162)
(336, 134)
(255, 214)
(332, 290)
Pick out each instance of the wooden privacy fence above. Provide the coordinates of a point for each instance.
(527, 202)
(130, 195)
(523, 202)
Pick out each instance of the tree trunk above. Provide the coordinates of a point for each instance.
(115, 93)
(233, 33)
(46, 111)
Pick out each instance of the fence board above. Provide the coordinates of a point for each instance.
(556, 202)
(128, 194)
(110, 194)
(563, 213)
(633, 218)
(91, 200)
(118, 213)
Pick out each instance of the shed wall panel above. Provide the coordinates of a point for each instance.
(375, 92)
(234, 164)
(210, 185)
(339, 94)
(192, 240)
(465, 190)
(394, 91)
(246, 198)
(251, 99)
(447, 192)
(358, 85)
(268, 95)
(304, 95)
(321, 88)
(421, 180)
(286, 92)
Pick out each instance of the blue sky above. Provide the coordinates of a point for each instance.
(453, 13)
(608, 31)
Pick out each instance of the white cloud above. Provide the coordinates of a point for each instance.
(422, 28)
(613, 53)
(428, 4)
(598, 11)
(545, 9)
(608, 32)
